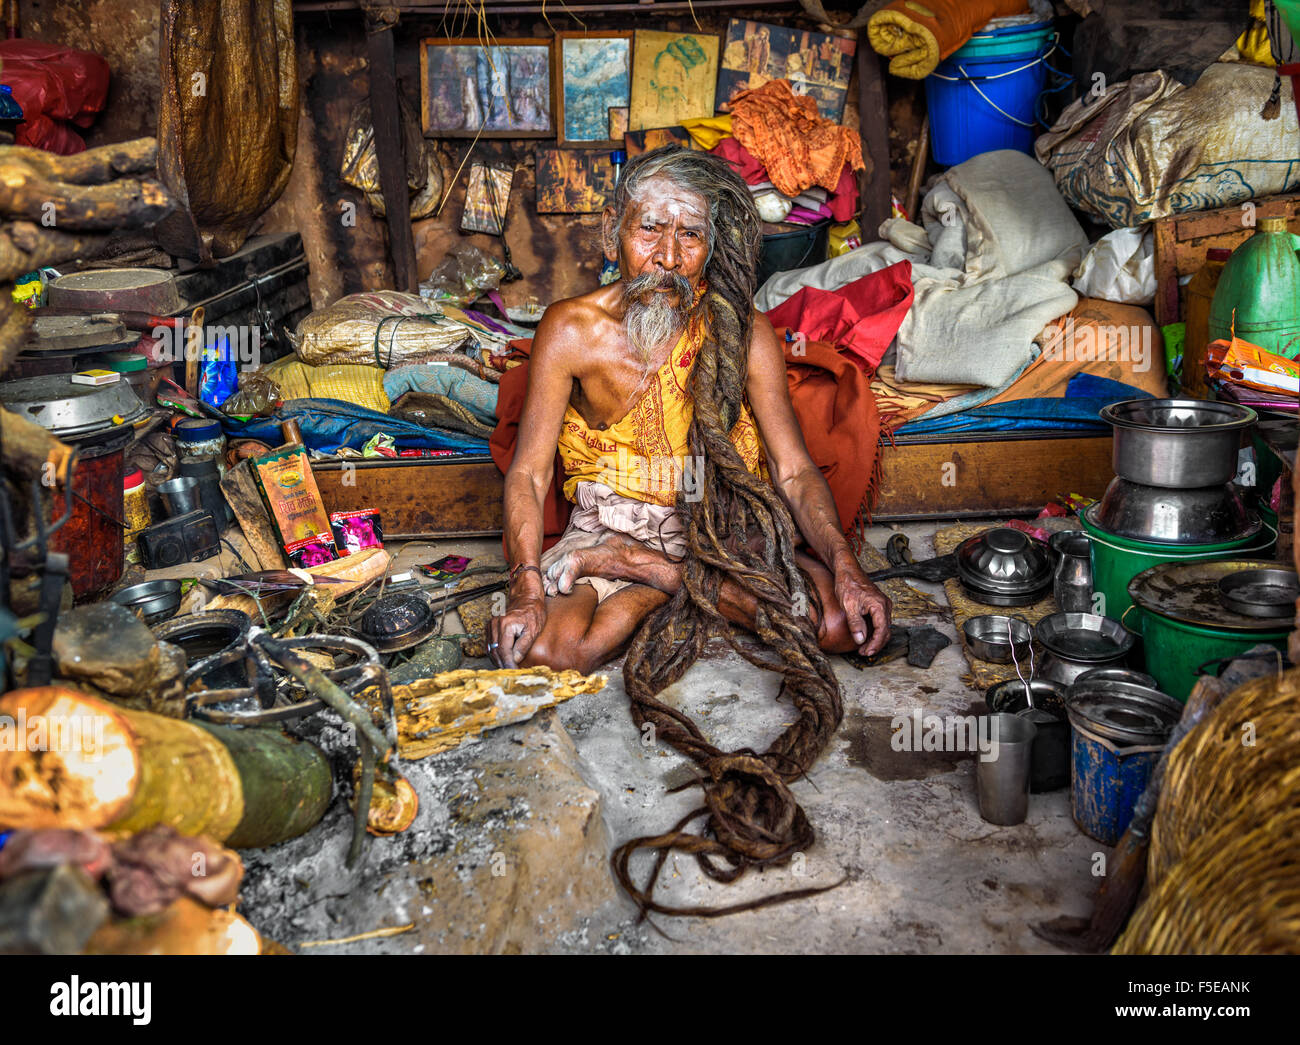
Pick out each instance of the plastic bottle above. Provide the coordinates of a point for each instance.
(1261, 284)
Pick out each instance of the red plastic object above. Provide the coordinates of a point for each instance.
(57, 87)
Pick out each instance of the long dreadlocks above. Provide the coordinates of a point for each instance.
(753, 818)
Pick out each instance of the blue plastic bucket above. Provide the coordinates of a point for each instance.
(985, 95)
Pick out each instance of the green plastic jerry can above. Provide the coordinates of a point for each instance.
(1261, 282)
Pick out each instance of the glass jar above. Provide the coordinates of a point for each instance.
(199, 437)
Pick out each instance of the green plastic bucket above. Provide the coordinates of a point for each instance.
(1174, 650)
(1117, 560)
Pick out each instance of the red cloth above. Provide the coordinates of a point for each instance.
(861, 317)
(843, 202)
(742, 161)
(833, 404)
(53, 84)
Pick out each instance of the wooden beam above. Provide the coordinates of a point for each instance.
(386, 115)
(873, 123)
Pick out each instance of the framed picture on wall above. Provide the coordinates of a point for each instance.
(487, 195)
(617, 123)
(573, 181)
(674, 78)
(505, 90)
(637, 142)
(816, 64)
(595, 73)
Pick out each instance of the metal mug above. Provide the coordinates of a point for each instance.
(1002, 775)
(180, 496)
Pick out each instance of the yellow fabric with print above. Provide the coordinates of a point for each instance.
(349, 382)
(644, 455)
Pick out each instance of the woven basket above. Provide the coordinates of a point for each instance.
(1213, 776)
(1224, 861)
(1236, 891)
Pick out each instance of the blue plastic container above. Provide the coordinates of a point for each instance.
(985, 95)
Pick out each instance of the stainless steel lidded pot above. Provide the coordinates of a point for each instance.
(1176, 443)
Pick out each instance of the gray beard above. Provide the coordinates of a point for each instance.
(650, 319)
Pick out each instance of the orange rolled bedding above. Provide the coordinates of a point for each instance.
(916, 35)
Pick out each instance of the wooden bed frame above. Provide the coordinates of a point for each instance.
(923, 477)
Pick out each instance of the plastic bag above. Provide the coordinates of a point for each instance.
(1120, 267)
(462, 276)
(380, 328)
(257, 396)
(361, 166)
(1150, 147)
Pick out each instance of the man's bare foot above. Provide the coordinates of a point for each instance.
(615, 557)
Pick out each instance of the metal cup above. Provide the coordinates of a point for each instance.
(180, 496)
(1002, 773)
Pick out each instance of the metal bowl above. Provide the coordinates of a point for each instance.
(1177, 443)
(1208, 515)
(154, 600)
(1003, 561)
(1261, 593)
(1125, 675)
(1084, 637)
(990, 637)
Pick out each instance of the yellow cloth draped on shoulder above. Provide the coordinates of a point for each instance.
(643, 455)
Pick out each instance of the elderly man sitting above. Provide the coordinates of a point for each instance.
(665, 394)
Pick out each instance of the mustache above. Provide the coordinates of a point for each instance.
(642, 288)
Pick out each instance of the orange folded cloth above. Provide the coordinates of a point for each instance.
(917, 36)
(785, 133)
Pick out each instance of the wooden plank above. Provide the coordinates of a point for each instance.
(1182, 240)
(241, 493)
(873, 126)
(953, 480)
(422, 499)
(988, 477)
(385, 112)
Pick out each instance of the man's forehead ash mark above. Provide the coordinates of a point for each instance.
(665, 198)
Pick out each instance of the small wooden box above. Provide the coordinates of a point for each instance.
(431, 497)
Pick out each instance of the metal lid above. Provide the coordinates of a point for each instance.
(1123, 712)
(1188, 592)
(1003, 561)
(197, 430)
(69, 410)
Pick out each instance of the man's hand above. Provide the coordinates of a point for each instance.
(512, 635)
(862, 602)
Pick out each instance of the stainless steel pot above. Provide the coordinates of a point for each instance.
(1176, 443)
(1208, 515)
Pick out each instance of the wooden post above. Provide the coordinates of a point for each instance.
(386, 114)
(873, 117)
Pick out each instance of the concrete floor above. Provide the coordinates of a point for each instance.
(922, 871)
